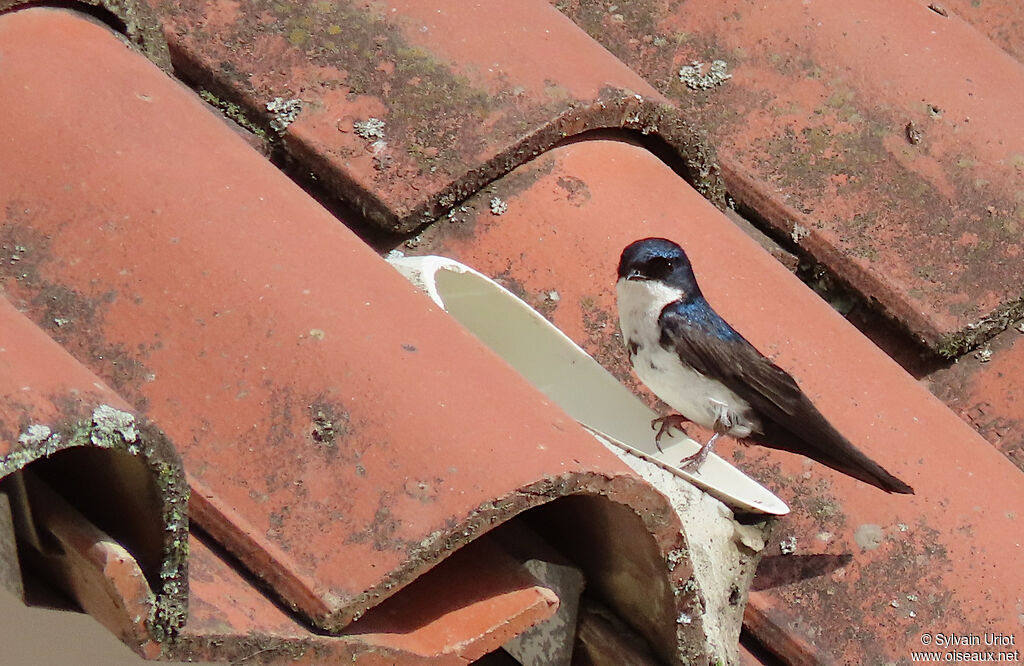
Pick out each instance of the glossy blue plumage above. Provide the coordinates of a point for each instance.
(702, 367)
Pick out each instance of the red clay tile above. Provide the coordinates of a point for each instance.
(408, 106)
(92, 569)
(136, 22)
(470, 604)
(879, 136)
(946, 555)
(57, 417)
(1002, 21)
(986, 389)
(341, 436)
(465, 607)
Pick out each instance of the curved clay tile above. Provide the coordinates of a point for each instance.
(340, 434)
(882, 137)
(404, 108)
(861, 573)
(64, 436)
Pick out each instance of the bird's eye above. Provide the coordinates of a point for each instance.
(660, 267)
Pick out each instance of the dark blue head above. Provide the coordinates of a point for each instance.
(658, 259)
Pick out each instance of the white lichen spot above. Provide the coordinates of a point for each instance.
(902, 527)
(61, 321)
(371, 128)
(869, 536)
(984, 355)
(684, 618)
(554, 296)
(498, 207)
(695, 79)
(110, 422)
(285, 111)
(911, 597)
(34, 435)
(788, 546)
(394, 254)
(675, 556)
(453, 214)
(799, 233)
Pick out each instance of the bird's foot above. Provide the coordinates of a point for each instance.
(664, 425)
(693, 463)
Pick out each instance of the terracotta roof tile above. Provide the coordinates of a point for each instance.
(341, 436)
(986, 389)
(1002, 21)
(404, 108)
(568, 215)
(881, 137)
(469, 605)
(62, 424)
(335, 428)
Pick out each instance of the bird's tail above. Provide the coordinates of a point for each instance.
(820, 441)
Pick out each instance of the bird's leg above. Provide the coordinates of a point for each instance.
(664, 424)
(723, 423)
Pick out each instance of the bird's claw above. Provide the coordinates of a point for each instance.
(664, 424)
(693, 463)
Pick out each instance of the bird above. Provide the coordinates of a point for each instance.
(702, 368)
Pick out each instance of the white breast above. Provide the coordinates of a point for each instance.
(682, 388)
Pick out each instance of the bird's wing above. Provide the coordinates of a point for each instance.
(789, 420)
(705, 341)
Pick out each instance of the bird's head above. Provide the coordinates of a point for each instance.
(657, 259)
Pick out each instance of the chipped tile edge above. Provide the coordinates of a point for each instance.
(115, 429)
(613, 109)
(650, 506)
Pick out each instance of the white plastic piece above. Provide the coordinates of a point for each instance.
(571, 378)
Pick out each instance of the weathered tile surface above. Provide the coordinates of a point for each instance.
(488, 599)
(405, 107)
(54, 413)
(882, 137)
(986, 389)
(341, 436)
(945, 556)
(1002, 21)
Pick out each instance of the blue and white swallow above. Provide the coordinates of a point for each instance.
(701, 367)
